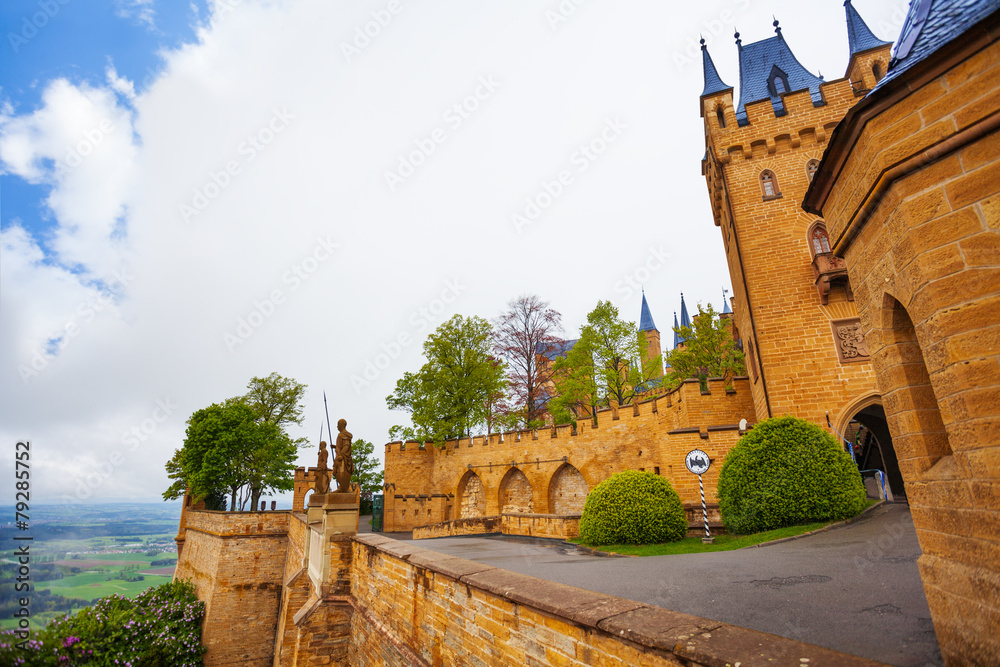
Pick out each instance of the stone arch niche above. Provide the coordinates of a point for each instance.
(471, 497)
(516, 494)
(567, 491)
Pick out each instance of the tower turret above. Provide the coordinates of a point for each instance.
(647, 329)
(869, 54)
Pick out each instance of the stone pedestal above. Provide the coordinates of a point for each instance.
(337, 512)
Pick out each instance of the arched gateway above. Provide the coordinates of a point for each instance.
(863, 424)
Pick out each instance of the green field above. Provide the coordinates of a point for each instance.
(89, 546)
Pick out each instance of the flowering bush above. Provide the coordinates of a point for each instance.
(160, 626)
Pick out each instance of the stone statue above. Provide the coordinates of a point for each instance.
(322, 484)
(343, 464)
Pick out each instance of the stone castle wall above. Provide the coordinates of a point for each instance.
(788, 334)
(237, 563)
(552, 470)
(915, 210)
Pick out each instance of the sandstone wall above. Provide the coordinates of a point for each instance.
(475, 477)
(416, 607)
(916, 212)
(236, 562)
(787, 332)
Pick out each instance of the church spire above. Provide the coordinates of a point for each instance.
(859, 35)
(645, 316)
(713, 82)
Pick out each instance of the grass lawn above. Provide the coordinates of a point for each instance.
(693, 545)
(93, 586)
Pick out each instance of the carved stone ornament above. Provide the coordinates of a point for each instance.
(850, 341)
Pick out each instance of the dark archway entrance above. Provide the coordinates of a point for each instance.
(869, 434)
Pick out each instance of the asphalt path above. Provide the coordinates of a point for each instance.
(854, 588)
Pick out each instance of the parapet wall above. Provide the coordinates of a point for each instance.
(417, 607)
(556, 467)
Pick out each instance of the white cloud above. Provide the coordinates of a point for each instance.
(139, 11)
(209, 126)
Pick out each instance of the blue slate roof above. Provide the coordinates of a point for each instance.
(558, 349)
(859, 36)
(930, 26)
(769, 68)
(685, 320)
(645, 317)
(713, 82)
(677, 338)
(726, 310)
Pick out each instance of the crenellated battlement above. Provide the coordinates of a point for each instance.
(550, 470)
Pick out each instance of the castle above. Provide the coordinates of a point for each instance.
(861, 223)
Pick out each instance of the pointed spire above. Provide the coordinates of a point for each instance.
(645, 317)
(685, 320)
(677, 338)
(713, 82)
(726, 310)
(859, 35)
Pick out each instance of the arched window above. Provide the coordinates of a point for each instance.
(721, 116)
(769, 184)
(877, 70)
(811, 168)
(819, 240)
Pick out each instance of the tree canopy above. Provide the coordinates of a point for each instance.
(239, 448)
(457, 390)
(610, 366)
(708, 350)
(527, 326)
(368, 473)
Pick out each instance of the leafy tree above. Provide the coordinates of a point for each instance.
(576, 386)
(708, 350)
(226, 450)
(526, 328)
(277, 400)
(368, 474)
(612, 354)
(454, 392)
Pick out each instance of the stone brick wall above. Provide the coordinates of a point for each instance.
(416, 607)
(915, 210)
(788, 339)
(560, 527)
(428, 485)
(237, 563)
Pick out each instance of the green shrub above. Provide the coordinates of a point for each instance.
(633, 507)
(161, 626)
(784, 472)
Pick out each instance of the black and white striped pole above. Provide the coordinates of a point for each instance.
(698, 462)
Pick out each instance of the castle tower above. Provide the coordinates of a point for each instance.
(648, 330)
(794, 311)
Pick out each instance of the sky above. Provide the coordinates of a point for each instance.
(195, 194)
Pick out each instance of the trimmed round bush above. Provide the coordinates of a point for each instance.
(784, 472)
(633, 507)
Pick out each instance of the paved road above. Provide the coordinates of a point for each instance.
(855, 588)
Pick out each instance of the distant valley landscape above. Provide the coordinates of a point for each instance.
(79, 553)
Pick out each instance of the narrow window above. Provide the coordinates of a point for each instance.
(819, 239)
(721, 116)
(656, 470)
(877, 71)
(811, 168)
(769, 184)
(779, 86)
